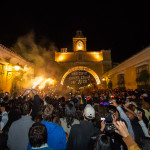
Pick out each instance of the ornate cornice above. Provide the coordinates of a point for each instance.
(11, 57)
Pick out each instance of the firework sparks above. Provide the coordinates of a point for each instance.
(37, 81)
(41, 82)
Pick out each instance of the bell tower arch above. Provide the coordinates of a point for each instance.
(79, 41)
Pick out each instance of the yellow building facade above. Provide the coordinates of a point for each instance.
(128, 74)
(11, 67)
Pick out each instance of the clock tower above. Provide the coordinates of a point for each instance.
(79, 42)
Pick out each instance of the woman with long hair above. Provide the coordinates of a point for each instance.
(69, 119)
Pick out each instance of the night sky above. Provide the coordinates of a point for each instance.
(122, 27)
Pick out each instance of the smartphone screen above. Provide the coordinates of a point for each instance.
(102, 119)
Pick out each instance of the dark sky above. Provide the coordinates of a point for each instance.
(122, 27)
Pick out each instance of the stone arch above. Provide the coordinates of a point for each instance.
(93, 73)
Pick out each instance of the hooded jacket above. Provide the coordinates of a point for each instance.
(56, 138)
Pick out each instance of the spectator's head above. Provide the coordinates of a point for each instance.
(37, 135)
(69, 110)
(38, 117)
(26, 108)
(130, 115)
(143, 95)
(114, 111)
(69, 114)
(103, 143)
(57, 120)
(89, 112)
(146, 103)
(134, 96)
(47, 112)
(101, 111)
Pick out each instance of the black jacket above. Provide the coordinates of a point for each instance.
(80, 135)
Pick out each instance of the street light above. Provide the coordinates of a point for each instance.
(17, 68)
(103, 79)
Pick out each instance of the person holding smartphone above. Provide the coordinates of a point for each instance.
(123, 116)
(143, 126)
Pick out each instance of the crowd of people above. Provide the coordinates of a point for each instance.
(102, 120)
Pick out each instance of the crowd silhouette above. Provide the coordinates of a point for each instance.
(101, 120)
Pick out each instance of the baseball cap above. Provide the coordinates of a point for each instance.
(89, 111)
(145, 95)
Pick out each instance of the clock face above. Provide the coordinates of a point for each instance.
(80, 45)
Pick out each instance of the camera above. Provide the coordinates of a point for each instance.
(110, 127)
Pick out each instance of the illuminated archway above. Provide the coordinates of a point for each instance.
(93, 73)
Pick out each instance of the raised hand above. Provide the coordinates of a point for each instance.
(122, 129)
(27, 91)
(114, 118)
(102, 126)
(114, 103)
(139, 115)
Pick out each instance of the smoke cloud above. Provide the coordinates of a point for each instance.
(41, 57)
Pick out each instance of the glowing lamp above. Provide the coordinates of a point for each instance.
(79, 47)
(103, 79)
(16, 68)
(61, 58)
